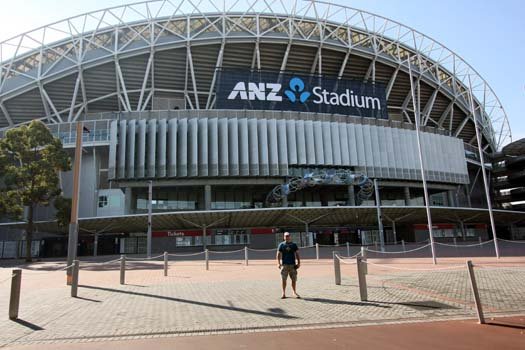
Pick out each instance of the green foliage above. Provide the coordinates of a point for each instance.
(30, 160)
(63, 213)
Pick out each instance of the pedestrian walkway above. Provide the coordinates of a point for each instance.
(234, 298)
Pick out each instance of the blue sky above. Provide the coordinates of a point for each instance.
(487, 34)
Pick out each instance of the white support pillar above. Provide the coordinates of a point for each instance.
(379, 217)
(150, 200)
(421, 164)
(482, 161)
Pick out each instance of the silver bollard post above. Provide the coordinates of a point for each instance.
(337, 269)
(364, 256)
(246, 256)
(455, 241)
(122, 269)
(362, 279)
(317, 251)
(403, 244)
(14, 298)
(165, 264)
(206, 256)
(347, 249)
(74, 281)
(475, 291)
(480, 242)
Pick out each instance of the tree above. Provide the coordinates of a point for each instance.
(63, 213)
(30, 159)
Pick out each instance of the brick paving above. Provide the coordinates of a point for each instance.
(233, 298)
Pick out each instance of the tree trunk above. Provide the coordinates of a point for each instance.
(29, 233)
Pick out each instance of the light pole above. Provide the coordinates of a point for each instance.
(73, 225)
(150, 205)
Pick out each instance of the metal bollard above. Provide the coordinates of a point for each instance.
(206, 256)
(165, 264)
(361, 277)
(375, 245)
(475, 291)
(246, 256)
(317, 251)
(337, 269)
(455, 241)
(14, 299)
(347, 249)
(480, 242)
(74, 281)
(403, 244)
(364, 256)
(122, 269)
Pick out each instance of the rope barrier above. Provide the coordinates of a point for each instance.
(342, 259)
(263, 250)
(32, 273)
(506, 240)
(463, 245)
(225, 252)
(154, 257)
(7, 279)
(188, 254)
(99, 263)
(404, 252)
(414, 269)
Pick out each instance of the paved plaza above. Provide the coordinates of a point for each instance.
(234, 298)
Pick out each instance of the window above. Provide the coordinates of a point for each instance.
(102, 201)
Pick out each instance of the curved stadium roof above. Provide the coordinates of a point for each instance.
(117, 59)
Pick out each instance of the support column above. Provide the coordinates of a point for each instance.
(451, 202)
(351, 195)
(379, 217)
(95, 244)
(207, 197)
(150, 209)
(407, 195)
(128, 199)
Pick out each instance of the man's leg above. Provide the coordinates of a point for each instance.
(294, 283)
(284, 289)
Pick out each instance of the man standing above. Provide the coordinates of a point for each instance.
(286, 255)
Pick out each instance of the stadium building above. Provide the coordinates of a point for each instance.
(255, 117)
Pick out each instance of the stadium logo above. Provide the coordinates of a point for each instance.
(270, 92)
(297, 86)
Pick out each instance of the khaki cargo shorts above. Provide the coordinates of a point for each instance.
(289, 270)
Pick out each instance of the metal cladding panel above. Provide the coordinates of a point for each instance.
(390, 155)
(122, 149)
(152, 145)
(193, 146)
(360, 144)
(292, 142)
(310, 144)
(172, 147)
(244, 148)
(182, 146)
(416, 167)
(343, 139)
(301, 142)
(406, 150)
(352, 144)
(223, 143)
(112, 162)
(273, 153)
(383, 152)
(397, 154)
(213, 147)
(161, 148)
(327, 144)
(141, 154)
(262, 135)
(232, 153)
(369, 153)
(253, 143)
(130, 143)
(318, 143)
(203, 146)
(376, 150)
(282, 149)
(336, 143)
(462, 166)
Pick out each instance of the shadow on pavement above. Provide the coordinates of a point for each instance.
(29, 325)
(200, 303)
(342, 302)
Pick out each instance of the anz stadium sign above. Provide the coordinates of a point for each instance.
(295, 92)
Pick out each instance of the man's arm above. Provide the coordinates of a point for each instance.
(278, 256)
(298, 257)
